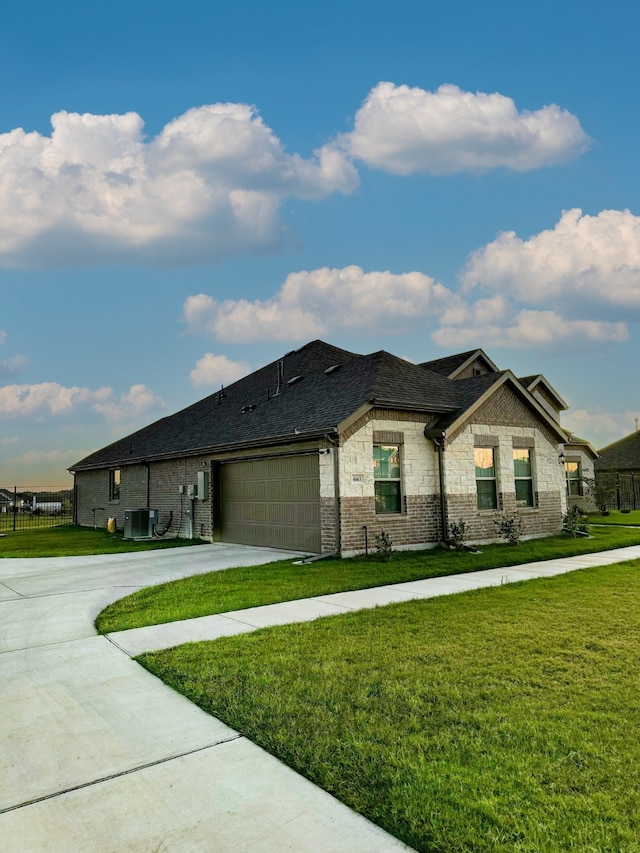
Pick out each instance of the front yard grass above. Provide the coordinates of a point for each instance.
(70, 541)
(502, 719)
(616, 517)
(235, 589)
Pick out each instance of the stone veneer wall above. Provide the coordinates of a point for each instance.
(418, 524)
(548, 479)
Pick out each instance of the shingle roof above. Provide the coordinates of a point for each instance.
(447, 365)
(622, 455)
(468, 391)
(250, 412)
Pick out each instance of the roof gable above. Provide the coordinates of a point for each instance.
(461, 365)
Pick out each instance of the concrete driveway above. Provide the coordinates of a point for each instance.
(98, 755)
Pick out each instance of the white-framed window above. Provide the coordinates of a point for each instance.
(573, 473)
(386, 477)
(523, 475)
(486, 479)
(114, 484)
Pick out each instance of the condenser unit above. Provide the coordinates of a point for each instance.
(139, 523)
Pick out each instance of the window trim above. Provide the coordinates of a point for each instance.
(520, 504)
(115, 480)
(398, 447)
(493, 479)
(577, 480)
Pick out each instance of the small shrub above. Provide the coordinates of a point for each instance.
(601, 489)
(508, 526)
(458, 534)
(574, 522)
(384, 545)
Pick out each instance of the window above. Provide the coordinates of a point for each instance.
(486, 483)
(523, 476)
(573, 472)
(386, 474)
(114, 484)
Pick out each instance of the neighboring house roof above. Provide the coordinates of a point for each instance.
(322, 389)
(452, 365)
(622, 455)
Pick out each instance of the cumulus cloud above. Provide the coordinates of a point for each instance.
(405, 130)
(14, 364)
(528, 329)
(52, 399)
(316, 302)
(585, 261)
(213, 370)
(209, 185)
(130, 406)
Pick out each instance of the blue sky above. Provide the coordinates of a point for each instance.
(189, 191)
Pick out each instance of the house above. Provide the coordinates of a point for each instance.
(619, 465)
(324, 448)
(579, 454)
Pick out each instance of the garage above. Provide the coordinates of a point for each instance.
(273, 502)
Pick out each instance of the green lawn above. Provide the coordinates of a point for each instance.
(503, 719)
(616, 517)
(69, 541)
(234, 589)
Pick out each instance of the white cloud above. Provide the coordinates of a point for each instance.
(317, 302)
(213, 370)
(14, 364)
(598, 427)
(130, 406)
(26, 400)
(527, 329)
(8, 440)
(405, 130)
(209, 185)
(52, 399)
(3, 336)
(585, 262)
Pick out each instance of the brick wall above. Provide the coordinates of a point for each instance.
(93, 492)
(417, 526)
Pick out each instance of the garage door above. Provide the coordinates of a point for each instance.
(272, 502)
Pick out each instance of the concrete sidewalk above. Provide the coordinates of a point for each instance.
(138, 640)
(98, 755)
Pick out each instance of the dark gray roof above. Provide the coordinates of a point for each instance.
(450, 363)
(528, 380)
(622, 455)
(249, 412)
(468, 391)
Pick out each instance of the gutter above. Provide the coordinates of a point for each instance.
(438, 439)
(207, 449)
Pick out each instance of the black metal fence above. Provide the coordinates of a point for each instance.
(621, 490)
(32, 508)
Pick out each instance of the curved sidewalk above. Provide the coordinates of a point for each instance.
(135, 641)
(98, 755)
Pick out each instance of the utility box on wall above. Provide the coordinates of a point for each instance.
(139, 523)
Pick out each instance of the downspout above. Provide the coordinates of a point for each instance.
(148, 486)
(336, 491)
(438, 441)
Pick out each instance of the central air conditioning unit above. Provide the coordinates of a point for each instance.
(139, 523)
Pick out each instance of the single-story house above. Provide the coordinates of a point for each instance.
(323, 449)
(579, 454)
(618, 465)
